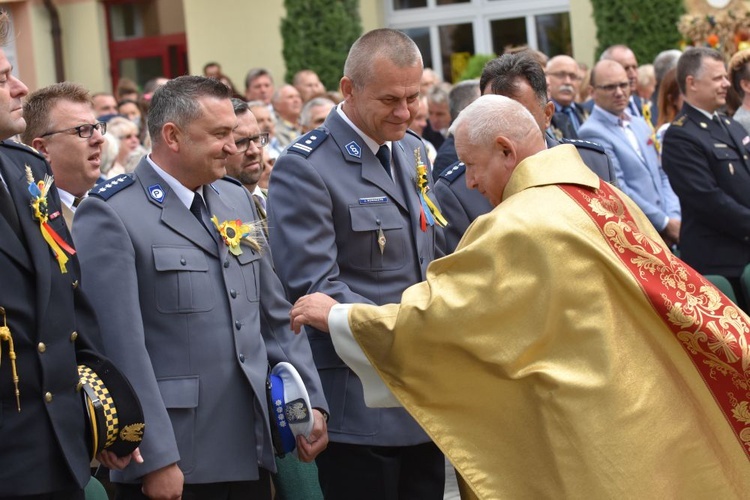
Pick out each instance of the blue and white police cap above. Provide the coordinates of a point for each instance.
(291, 405)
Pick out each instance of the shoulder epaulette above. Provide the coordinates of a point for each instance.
(579, 143)
(232, 180)
(453, 172)
(309, 142)
(11, 144)
(680, 120)
(111, 187)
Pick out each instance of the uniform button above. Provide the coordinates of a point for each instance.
(48, 397)
(242, 358)
(41, 347)
(226, 263)
(74, 284)
(237, 325)
(233, 293)
(183, 262)
(73, 336)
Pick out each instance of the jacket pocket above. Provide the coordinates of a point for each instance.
(182, 282)
(379, 238)
(181, 396)
(249, 261)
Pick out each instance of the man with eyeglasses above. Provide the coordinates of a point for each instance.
(563, 81)
(623, 55)
(194, 312)
(61, 125)
(628, 142)
(247, 164)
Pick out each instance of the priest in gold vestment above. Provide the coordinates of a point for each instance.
(562, 351)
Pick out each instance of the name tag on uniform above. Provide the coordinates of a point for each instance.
(719, 145)
(376, 200)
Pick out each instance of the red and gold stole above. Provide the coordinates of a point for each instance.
(710, 328)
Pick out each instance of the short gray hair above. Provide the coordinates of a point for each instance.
(393, 45)
(664, 61)
(304, 117)
(177, 102)
(461, 95)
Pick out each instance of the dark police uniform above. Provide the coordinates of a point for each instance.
(42, 447)
(461, 205)
(708, 167)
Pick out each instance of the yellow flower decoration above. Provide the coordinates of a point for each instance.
(232, 232)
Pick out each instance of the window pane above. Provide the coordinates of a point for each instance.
(450, 2)
(508, 33)
(553, 34)
(456, 46)
(408, 4)
(421, 37)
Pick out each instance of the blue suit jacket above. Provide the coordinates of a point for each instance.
(329, 202)
(639, 176)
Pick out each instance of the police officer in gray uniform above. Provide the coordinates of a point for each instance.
(520, 77)
(191, 310)
(345, 219)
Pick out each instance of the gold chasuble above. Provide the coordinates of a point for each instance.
(563, 352)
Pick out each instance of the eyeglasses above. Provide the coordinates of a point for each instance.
(562, 75)
(260, 140)
(84, 131)
(612, 88)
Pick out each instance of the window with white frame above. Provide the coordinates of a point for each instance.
(448, 32)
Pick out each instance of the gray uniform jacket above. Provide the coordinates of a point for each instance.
(193, 326)
(462, 205)
(328, 201)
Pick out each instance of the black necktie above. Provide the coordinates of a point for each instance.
(384, 155)
(721, 123)
(197, 208)
(8, 209)
(572, 118)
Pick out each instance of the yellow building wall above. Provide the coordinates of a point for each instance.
(242, 35)
(583, 31)
(84, 41)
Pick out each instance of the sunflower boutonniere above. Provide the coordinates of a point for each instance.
(235, 232)
(40, 212)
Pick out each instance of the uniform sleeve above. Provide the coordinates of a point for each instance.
(109, 280)
(302, 232)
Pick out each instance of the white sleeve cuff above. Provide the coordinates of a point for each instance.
(377, 395)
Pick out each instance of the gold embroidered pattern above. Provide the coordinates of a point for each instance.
(712, 330)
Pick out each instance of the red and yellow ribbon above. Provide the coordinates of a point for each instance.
(40, 211)
(429, 212)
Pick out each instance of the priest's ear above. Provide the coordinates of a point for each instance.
(507, 148)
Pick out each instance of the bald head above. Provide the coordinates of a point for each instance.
(623, 55)
(610, 87)
(493, 135)
(564, 77)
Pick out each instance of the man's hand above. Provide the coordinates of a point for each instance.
(309, 448)
(113, 462)
(164, 484)
(311, 310)
(671, 233)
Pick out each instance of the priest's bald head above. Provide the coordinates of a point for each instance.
(493, 135)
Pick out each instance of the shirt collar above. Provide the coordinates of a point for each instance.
(184, 194)
(708, 115)
(374, 146)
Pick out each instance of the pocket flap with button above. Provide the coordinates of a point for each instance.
(248, 255)
(726, 154)
(179, 392)
(374, 217)
(176, 258)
